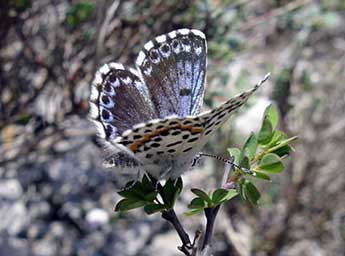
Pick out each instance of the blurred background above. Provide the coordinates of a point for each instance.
(56, 198)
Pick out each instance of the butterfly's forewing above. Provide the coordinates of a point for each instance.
(173, 67)
(119, 100)
(212, 120)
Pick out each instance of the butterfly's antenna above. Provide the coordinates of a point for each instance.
(264, 79)
(222, 159)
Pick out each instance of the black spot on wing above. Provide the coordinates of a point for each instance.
(157, 139)
(177, 132)
(155, 145)
(193, 139)
(185, 92)
(186, 136)
(148, 155)
(187, 149)
(174, 143)
(136, 137)
(165, 133)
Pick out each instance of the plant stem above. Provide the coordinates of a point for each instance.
(211, 214)
(171, 217)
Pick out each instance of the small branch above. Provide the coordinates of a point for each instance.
(171, 217)
(211, 214)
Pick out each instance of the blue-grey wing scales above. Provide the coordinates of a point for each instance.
(119, 100)
(173, 67)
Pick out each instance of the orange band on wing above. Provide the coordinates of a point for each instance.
(147, 137)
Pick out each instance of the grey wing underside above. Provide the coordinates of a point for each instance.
(173, 67)
(119, 100)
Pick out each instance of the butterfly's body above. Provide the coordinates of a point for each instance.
(150, 118)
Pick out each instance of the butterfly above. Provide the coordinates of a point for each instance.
(149, 117)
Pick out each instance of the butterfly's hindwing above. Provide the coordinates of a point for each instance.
(119, 100)
(173, 67)
(162, 137)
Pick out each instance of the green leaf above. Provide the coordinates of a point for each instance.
(245, 162)
(277, 137)
(151, 196)
(262, 176)
(153, 208)
(179, 185)
(287, 141)
(171, 190)
(128, 194)
(147, 184)
(194, 211)
(235, 152)
(142, 191)
(197, 203)
(272, 113)
(219, 195)
(252, 194)
(133, 192)
(283, 151)
(266, 132)
(271, 163)
(283, 148)
(128, 204)
(249, 148)
(203, 195)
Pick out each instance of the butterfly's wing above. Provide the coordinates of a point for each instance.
(212, 120)
(119, 100)
(164, 145)
(131, 168)
(178, 138)
(173, 67)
